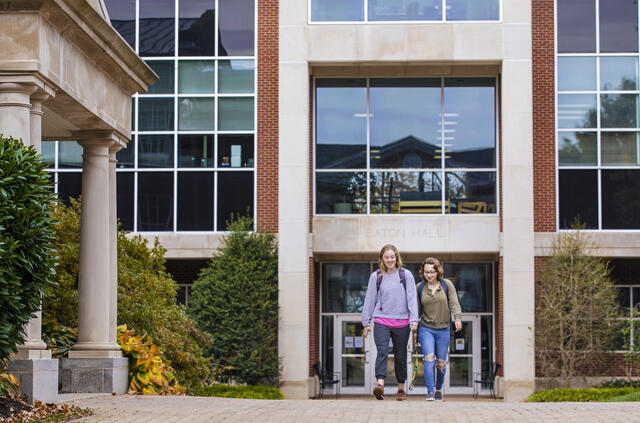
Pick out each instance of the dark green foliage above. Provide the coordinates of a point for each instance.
(146, 297)
(621, 383)
(26, 234)
(246, 391)
(235, 299)
(632, 396)
(578, 395)
(59, 338)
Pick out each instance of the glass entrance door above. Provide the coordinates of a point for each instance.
(464, 357)
(353, 355)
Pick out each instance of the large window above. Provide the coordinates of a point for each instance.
(598, 138)
(410, 145)
(405, 10)
(190, 164)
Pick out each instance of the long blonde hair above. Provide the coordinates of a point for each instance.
(393, 248)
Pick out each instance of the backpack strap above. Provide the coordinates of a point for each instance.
(445, 288)
(379, 275)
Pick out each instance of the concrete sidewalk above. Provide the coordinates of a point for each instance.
(149, 409)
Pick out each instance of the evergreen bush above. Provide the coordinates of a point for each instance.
(235, 299)
(578, 394)
(146, 297)
(26, 233)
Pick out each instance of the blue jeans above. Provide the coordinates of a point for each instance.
(434, 343)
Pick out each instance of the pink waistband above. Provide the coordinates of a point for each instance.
(392, 323)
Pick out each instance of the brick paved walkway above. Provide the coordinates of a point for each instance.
(148, 409)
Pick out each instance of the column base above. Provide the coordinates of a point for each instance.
(517, 390)
(94, 375)
(298, 389)
(32, 354)
(38, 378)
(95, 350)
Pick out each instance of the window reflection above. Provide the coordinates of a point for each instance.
(469, 122)
(337, 10)
(196, 36)
(406, 192)
(155, 201)
(196, 76)
(196, 114)
(69, 154)
(471, 192)
(341, 123)
(619, 110)
(123, 18)
(620, 148)
(195, 201)
(344, 287)
(577, 148)
(577, 111)
(156, 28)
(473, 10)
(235, 32)
(618, 73)
(155, 150)
(125, 199)
(69, 186)
(618, 26)
(235, 76)
(156, 114)
(416, 10)
(164, 69)
(195, 150)
(235, 114)
(405, 123)
(576, 26)
(341, 192)
(576, 73)
(473, 285)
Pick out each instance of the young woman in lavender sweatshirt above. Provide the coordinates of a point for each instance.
(393, 307)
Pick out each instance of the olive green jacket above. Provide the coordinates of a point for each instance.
(433, 308)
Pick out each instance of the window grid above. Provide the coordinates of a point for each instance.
(212, 168)
(440, 171)
(598, 129)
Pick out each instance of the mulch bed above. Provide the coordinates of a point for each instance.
(18, 411)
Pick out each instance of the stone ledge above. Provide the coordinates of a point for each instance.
(94, 375)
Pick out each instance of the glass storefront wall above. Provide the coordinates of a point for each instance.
(190, 164)
(405, 145)
(598, 123)
(344, 287)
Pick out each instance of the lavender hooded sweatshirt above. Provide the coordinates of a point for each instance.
(397, 303)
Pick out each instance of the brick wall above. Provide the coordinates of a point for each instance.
(544, 173)
(267, 103)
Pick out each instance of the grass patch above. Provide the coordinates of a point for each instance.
(632, 396)
(579, 394)
(245, 391)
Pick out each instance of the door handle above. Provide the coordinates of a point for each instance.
(366, 356)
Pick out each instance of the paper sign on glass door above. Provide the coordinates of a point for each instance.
(348, 341)
(459, 344)
(358, 341)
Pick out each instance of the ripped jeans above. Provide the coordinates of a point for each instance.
(435, 347)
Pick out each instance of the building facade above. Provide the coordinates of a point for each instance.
(473, 131)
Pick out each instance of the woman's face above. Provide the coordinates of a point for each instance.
(389, 259)
(430, 274)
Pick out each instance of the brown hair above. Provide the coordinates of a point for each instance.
(393, 248)
(437, 266)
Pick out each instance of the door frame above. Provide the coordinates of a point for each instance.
(369, 355)
(476, 359)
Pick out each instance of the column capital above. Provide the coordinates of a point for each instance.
(39, 96)
(18, 87)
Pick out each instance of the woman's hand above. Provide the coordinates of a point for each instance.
(366, 331)
(414, 327)
(458, 326)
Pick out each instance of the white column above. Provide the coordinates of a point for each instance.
(34, 347)
(94, 275)
(113, 244)
(14, 110)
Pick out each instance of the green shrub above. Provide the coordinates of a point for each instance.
(235, 299)
(621, 383)
(59, 338)
(26, 234)
(632, 396)
(578, 395)
(146, 297)
(248, 392)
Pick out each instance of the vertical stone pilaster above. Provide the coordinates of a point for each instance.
(14, 110)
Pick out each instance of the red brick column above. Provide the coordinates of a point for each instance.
(499, 358)
(544, 165)
(267, 105)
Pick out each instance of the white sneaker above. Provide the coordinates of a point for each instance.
(431, 396)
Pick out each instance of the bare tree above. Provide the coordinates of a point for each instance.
(577, 314)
